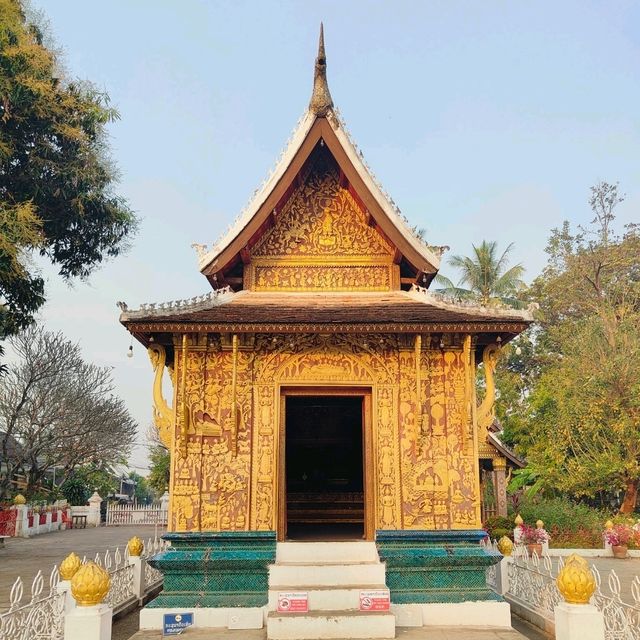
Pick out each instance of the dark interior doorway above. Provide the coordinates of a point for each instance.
(324, 469)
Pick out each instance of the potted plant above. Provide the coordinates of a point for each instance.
(619, 536)
(533, 538)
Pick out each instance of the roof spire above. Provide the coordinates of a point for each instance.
(321, 100)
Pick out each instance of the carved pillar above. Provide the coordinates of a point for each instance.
(500, 484)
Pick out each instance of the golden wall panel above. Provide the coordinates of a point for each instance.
(272, 277)
(424, 476)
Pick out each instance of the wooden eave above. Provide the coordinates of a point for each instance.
(321, 129)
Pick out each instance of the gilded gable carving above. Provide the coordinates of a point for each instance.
(322, 219)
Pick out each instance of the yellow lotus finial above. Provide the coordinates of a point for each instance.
(90, 585)
(505, 546)
(575, 581)
(608, 525)
(135, 546)
(69, 566)
(539, 524)
(519, 521)
(19, 499)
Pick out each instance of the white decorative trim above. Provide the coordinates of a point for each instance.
(442, 301)
(174, 307)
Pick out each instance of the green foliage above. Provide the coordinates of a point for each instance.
(575, 412)
(561, 512)
(143, 493)
(83, 481)
(485, 275)
(56, 179)
(498, 526)
(160, 465)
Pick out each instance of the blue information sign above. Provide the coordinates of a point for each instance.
(176, 623)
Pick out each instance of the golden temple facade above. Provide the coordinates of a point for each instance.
(321, 382)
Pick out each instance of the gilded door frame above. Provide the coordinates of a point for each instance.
(368, 468)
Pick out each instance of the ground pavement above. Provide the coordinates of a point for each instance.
(25, 556)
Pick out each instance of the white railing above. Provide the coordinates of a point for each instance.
(152, 577)
(529, 585)
(123, 514)
(41, 617)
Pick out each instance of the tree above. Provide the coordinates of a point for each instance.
(160, 461)
(143, 493)
(83, 481)
(582, 414)
(60, 410)
(485, 275)
(56, 179)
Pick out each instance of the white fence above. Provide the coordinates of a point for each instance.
(121, 514)
(529, 585)
(40, 616)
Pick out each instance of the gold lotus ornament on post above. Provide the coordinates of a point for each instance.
(505, 546)
(608, 525)
(19, 499)
(135, 546)
(90, 585)
(69, 566)
(518, 521)
(575, 581)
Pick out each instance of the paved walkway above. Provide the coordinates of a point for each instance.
(25, 556)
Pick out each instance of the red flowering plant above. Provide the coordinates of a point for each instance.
(533, 535)
(621, 535)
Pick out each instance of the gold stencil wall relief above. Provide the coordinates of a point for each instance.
(321, 240)
(438, 470)
(423, 475)
(211, 483)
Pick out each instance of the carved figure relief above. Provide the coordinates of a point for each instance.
(424, 477)
(321, 241)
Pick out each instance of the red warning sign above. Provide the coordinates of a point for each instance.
(377, 600)
(290, 602)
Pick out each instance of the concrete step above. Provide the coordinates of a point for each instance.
(331, 624)
(310, 552)
(328, 598)
(326, 574)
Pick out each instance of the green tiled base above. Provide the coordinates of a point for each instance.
(436, 566)
(228, 569)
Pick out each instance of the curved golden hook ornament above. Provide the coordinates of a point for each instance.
(486, 410)
(162, 412)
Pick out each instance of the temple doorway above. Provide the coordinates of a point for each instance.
(324, 470)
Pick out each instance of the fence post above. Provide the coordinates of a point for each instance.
(135, 546)
(164, 503)
(575, 618)
(22, 521)
(89, 620)
(68, 568)
(505, 547)
(517, 530)
(93, 518)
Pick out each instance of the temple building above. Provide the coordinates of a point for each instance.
(321, 393)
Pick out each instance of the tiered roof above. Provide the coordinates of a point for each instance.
(231, 307)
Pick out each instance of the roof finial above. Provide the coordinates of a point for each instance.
(321, 100)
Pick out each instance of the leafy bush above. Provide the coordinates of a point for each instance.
(571, 525)
(498, 526)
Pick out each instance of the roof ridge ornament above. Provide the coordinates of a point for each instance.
(321, 102)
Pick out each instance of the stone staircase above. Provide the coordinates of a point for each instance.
(333, 575)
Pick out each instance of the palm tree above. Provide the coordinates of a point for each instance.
(485, 276)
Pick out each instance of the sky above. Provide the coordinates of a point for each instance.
(483, 120)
